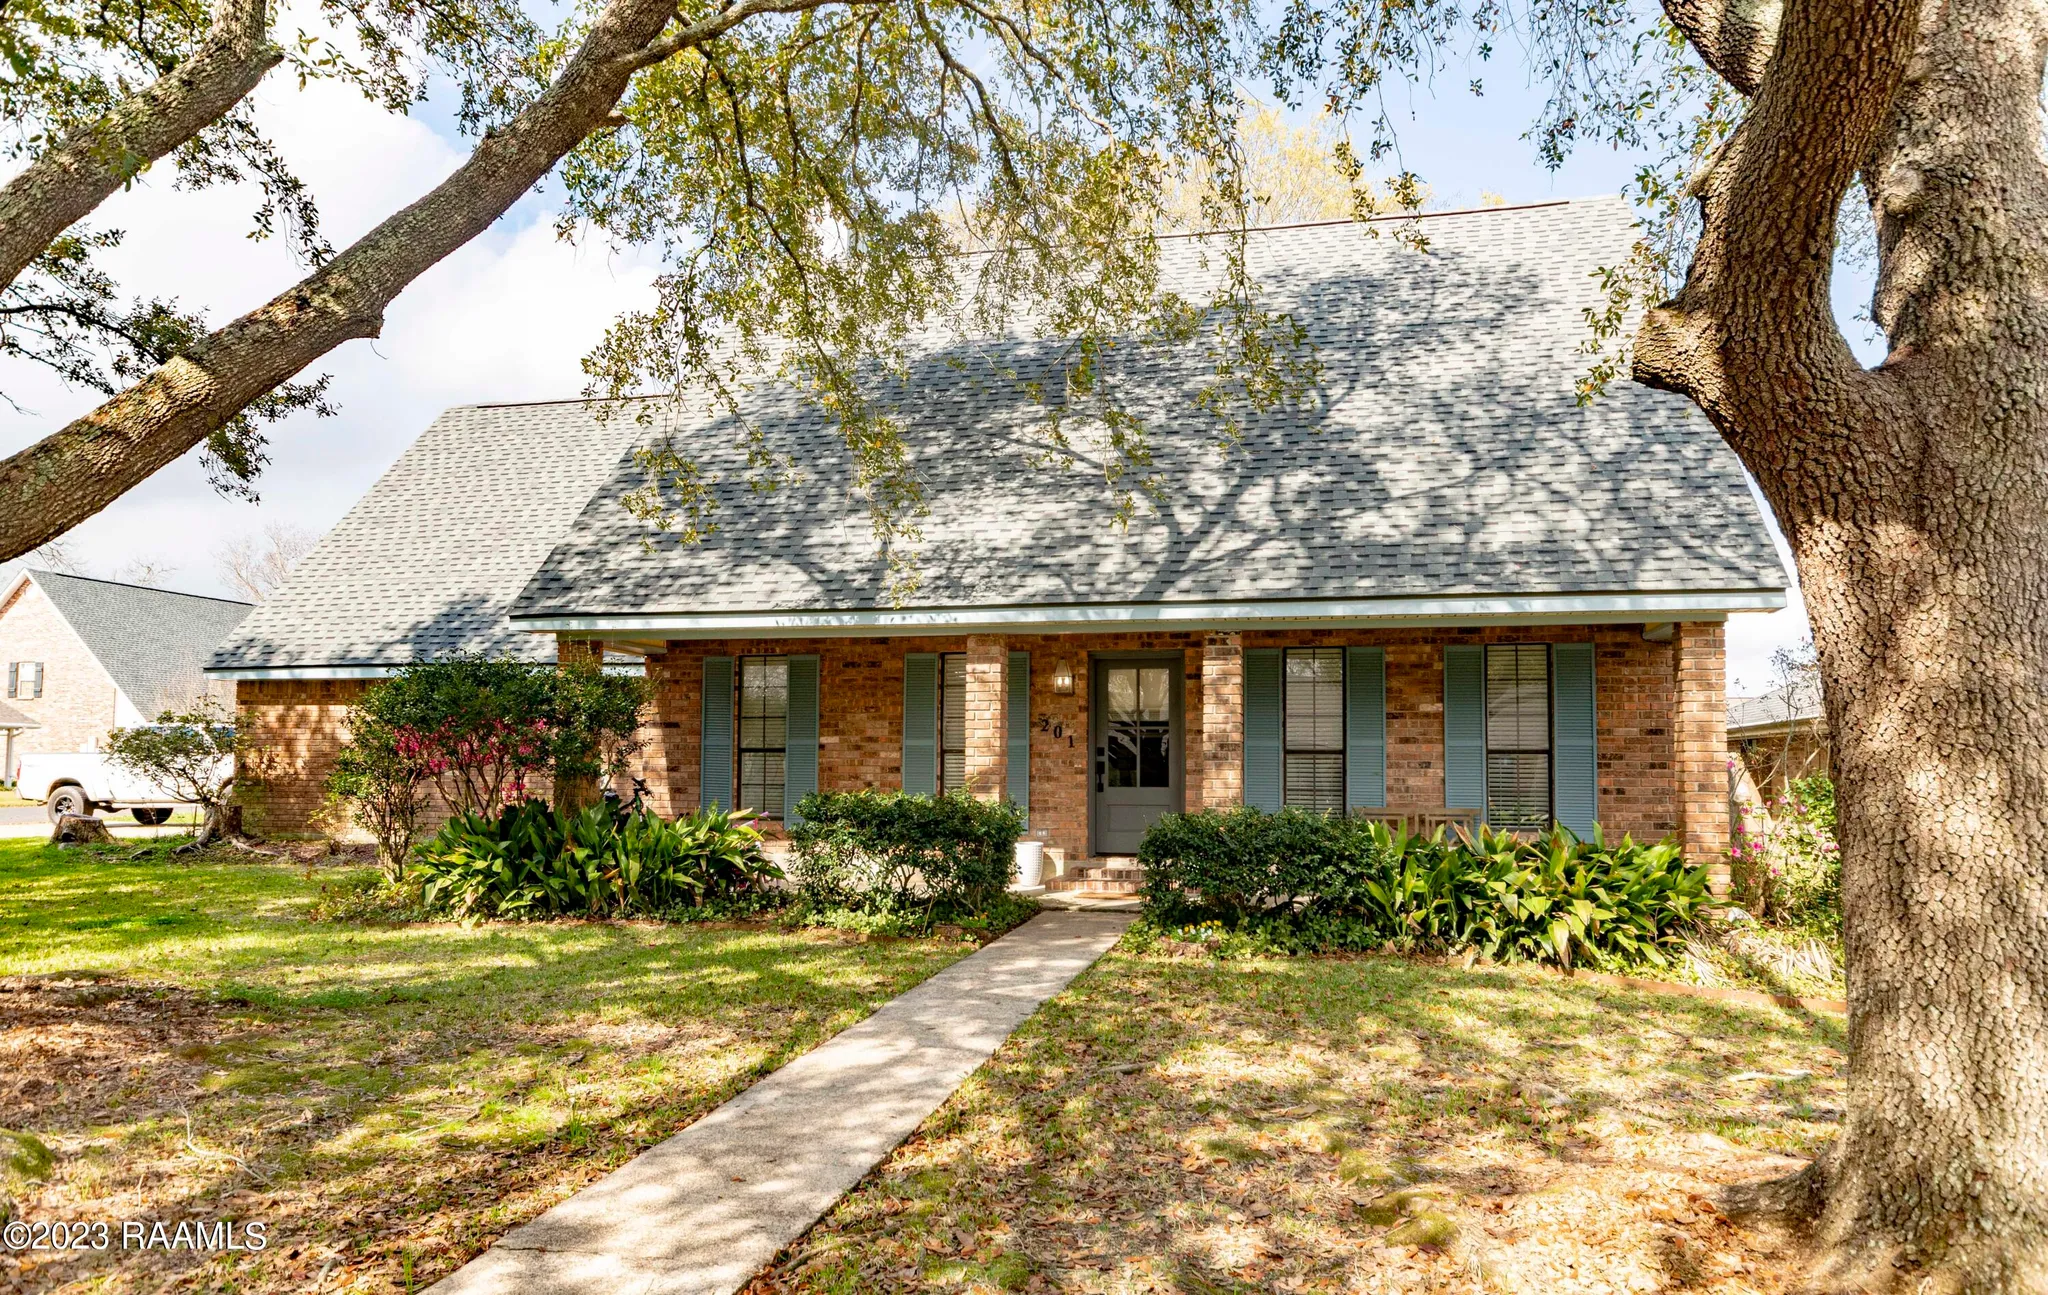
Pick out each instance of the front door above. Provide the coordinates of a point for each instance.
(1137, 741)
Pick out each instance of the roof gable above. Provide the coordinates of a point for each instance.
(153, 643)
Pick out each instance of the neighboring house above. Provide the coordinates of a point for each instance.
(83, 656)
(1441, 584)
(12, 725)
(1774, 740)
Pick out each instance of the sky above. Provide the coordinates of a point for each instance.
(511, 315)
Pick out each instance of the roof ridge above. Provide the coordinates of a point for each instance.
(125, 584)
(1182, 234)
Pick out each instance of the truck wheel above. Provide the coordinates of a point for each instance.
(151, 817)
(68, 800)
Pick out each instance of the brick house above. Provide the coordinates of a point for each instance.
(1440, 584)
(83, 656)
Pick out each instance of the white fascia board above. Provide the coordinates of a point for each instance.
(302, 672)
(1527, 609)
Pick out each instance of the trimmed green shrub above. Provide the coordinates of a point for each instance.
(531, 861)
(889, 852)
(1302, 882)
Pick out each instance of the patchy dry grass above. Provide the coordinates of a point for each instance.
(387, 1099)
(1181, 1124)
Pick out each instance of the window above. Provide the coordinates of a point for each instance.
(1312, 729)
(764, 732)
(25, 679)
(1518, 736)
(952, 721)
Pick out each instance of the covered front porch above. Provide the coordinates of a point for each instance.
(1098, 734)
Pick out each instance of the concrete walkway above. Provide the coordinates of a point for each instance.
(701, 1213)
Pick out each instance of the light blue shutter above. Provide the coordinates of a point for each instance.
(14, 678)
(1262, 774)
(921, 723)
(1573, 760)
(1365, 728)
(714, 785)
(1465, 728)
(1018, 683)
(800, 750)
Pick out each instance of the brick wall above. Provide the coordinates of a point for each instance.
(77, 705)
(1633, 707)
(861, 710)
(292, 729)
(1701, 745)
(860, 714)
(987, 755)
(861, 717)
(1222, 666)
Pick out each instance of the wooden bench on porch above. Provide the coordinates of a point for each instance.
(1422, 821)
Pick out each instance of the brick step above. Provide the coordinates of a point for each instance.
(1089, 887)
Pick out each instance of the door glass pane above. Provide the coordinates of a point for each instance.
(1137, 726)
(1120, 725)
(1155, 723)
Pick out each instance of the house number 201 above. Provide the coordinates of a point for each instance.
(1045, 725)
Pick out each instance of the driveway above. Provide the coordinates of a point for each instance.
(12, 814)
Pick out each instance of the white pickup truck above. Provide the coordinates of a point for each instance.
(86, 783)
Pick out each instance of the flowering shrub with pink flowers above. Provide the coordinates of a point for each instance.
(481, 732)
(1786, 867)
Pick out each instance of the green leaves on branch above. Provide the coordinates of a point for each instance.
(891, 852)
(530, 861)
(1309, 882)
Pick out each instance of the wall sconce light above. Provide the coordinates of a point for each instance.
(1063, 678)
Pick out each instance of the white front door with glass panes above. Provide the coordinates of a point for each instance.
(1137, 743)
(1518, 742)
(764, 733)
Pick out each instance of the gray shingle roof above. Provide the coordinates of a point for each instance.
(12, 718)
(1795, 703)
(153, 642)
(1445, 454)
(428, 561)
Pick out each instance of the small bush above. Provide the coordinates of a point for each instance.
(1789, 872)
(1297, 882)
(531, 861)
(937, 857)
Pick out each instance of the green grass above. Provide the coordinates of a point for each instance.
(389, 1098)
(1187, 1124)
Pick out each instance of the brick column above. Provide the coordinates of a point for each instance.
(1222, 735)
(1700, 746)
(988, 762)
(573, 794)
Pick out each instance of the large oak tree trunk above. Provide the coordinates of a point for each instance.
(1915, 498)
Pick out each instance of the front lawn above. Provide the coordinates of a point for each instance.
(1180, 1124)
(388, 1099)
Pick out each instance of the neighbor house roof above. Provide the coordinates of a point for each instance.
(12, 718)
(154, 643)
(1443, 469)
(1790, 704)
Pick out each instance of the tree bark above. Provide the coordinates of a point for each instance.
(73, 473)
(1915, 498)
(63, 185)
